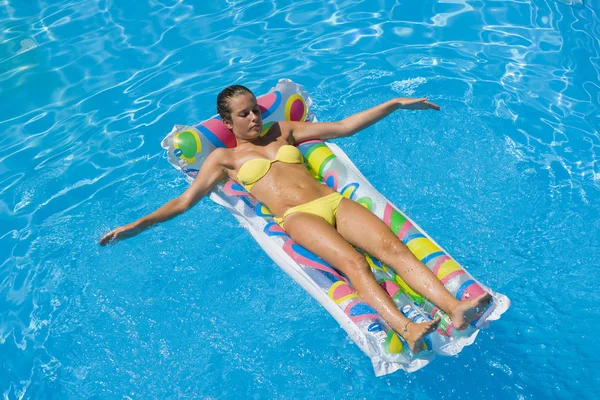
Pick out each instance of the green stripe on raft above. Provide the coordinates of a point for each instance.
(396, 221)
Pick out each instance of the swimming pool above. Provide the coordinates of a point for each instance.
(506, 177)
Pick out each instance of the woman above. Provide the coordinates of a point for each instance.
(314, 215)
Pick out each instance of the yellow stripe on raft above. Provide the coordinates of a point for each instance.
(318, 157)
(393, 343)
(447, 267)
(372, 264)
(332, 289)
(408, 290)
(422, 247)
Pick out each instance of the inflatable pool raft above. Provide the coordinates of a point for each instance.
(188, 146)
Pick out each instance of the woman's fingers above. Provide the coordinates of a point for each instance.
(423, 105)
(106, 238)
(420, 103)
(432, 105)
(120, 233)
(109, 237)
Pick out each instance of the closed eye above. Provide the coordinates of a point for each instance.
(244, 114)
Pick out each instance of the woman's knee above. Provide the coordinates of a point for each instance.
(357, 265)
(393, 248)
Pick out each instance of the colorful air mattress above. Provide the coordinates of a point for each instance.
(188, 146)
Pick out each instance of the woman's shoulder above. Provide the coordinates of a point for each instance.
(223, 157)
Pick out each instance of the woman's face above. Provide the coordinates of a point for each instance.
(246, 119)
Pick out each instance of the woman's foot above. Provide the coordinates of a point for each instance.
(468, 311)
(415, 333)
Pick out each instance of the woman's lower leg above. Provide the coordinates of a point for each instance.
(367, 287)
(420, 278)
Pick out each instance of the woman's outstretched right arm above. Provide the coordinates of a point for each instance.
(211, 172)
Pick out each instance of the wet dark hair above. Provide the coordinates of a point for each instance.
(227, 94)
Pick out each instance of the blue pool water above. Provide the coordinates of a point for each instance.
(506, 177)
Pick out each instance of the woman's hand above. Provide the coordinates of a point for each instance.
(417, 104)
(120, 233)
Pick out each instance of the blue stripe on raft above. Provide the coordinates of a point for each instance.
(270, 110)
(411, 237)
(210, 136)
(463, 287)
(432, 256)
(361, 309)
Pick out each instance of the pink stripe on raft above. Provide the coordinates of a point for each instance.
(439, 263)
(474, 290)
(217, 127)
(311, 141)
(387, 214)
(335, 178)
(407, 225)
(267, 100)
(351, 304)
(359, 318)
(230, 189)
(342, 291)
(276, 228)
(451, 275)
(391, 288)
(297, 110)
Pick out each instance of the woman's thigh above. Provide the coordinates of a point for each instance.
(315, 234)
(363, 229)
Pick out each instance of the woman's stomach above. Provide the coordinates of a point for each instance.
(286, 186)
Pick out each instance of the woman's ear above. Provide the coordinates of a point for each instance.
(228, 124)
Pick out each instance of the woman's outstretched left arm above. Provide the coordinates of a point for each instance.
(211, 172)
(301, 131)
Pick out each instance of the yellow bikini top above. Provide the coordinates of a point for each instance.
(253, 170)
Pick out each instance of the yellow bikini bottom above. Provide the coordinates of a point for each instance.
(325, 207)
